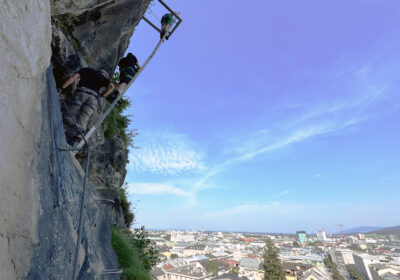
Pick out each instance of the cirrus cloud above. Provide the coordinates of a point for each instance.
(165, 153)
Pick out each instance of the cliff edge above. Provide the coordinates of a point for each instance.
(41, 186)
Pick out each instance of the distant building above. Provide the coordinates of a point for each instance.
(177, 236)
(362, 264)
(292, 269)
(321, 235)
(157, 274)
(196, 249)
(316, 273)
(191, 272)
(381, 271)
(302, 235)
(251, 268)
(228, 276)
(342, 256)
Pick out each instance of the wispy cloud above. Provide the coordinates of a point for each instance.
(316, 121)
(155, 189)
(165, 153)
(285, 192)
(252, 152)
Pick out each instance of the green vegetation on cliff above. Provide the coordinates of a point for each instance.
(129, 216)
(136, 255)
(117, 122)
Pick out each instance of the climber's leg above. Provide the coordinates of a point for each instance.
(74, 104)
(127, 75)
(88, 107)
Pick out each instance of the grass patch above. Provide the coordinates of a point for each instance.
(129, 256)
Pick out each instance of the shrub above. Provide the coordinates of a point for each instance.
(136, 255)
(126, 207)
(116, 122)
(129, 257)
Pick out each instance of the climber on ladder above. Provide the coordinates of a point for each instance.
(169, 23)
(128, 67)
(84, 100)
(166, 23)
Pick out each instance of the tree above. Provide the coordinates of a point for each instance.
(333, 268)
(353, 273)
(296, 244)
(136, 256)
(212, 267)
(149, 254)
(174, 256)
(167, 237)
(273, 269)
(234, 270)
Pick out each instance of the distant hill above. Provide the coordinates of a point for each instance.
(363, 229)
(388, 230)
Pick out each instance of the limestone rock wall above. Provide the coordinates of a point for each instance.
(96, 34)
(25, 36)
(93, 33)
(61, 183)
(40, 186)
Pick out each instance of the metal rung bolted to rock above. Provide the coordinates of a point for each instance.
(107, 201)
(111, 271)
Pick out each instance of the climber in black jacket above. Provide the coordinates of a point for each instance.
(84, 101)
(128, 67)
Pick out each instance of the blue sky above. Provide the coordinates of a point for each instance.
(272, 116)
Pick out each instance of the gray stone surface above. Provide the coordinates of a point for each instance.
(98, 31)
(25, 36)
(61, 181)
(96, 34)
(40, 187)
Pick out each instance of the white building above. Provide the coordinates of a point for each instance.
(191, 272)
(362, 263)
(321, 235)
(347, 256)
(177, 236)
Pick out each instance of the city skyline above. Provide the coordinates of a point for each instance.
(283, 122)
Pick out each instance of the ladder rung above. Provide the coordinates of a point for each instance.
(111, 271)
(106, 201)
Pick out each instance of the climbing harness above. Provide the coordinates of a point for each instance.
(111, 107)
(88, 90)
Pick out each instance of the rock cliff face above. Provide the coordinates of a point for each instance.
(96, 33)
(40, 186)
